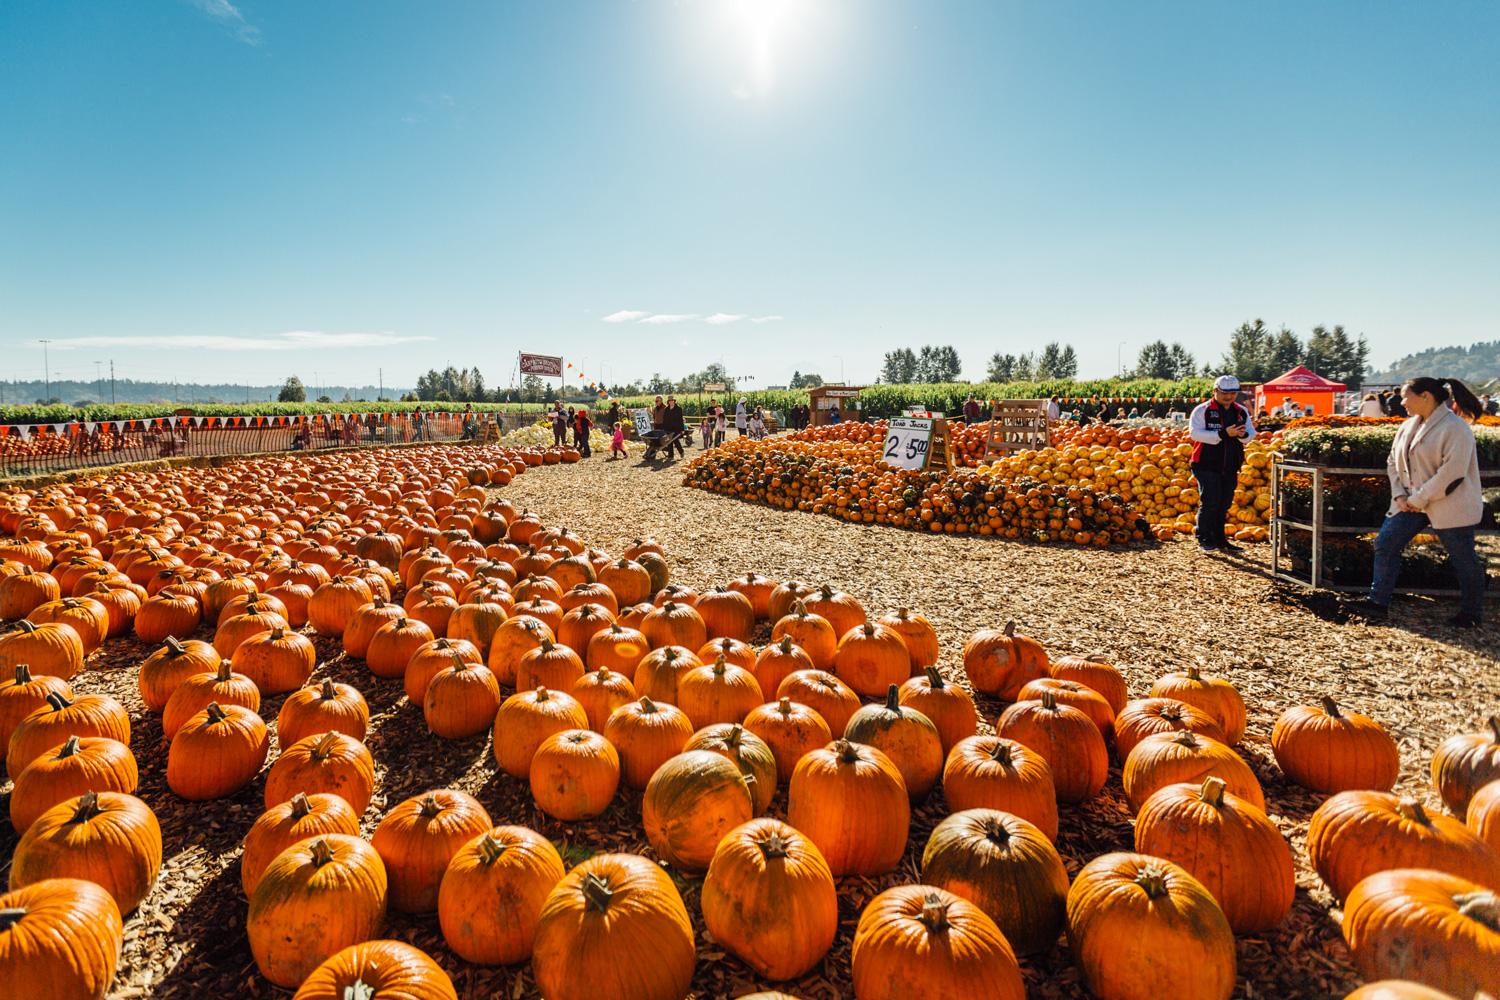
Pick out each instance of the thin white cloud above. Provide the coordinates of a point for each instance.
(229, 16)
(626, 316)
(719, 319)
(293, 340)
(659, 318)
(766, 319)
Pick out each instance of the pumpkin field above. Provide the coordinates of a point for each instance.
(490, 721)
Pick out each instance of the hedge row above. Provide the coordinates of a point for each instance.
(877, 401)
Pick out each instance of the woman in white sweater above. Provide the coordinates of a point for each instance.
(1434, 473)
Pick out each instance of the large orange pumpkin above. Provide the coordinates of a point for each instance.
(1148, 716)
(1226, 843)
(999, 662)
(109, 838)
(1142, 928)
(646, 735)
(810, 632)
(1463, 764)
(418, 838)
(492, 894)
(790, 730)
(1329, 750)
(1067, 738)
(384, 968)
(851, 801)
(1005, 866)
(991, 772)
(524, 722)
(315, 898)
(59, 937)
(1171, 758)
(1214, 695)
(1355, 834)
(79, 765)
(1429, 926)
(331, 762)
(574, 775)
(288, 823)
(904, 735)
(769, 898)
(329, 706)
(614, 926)
(920, 940)
(691, 802)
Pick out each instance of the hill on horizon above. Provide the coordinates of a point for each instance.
(74, 392)
(1477, 364)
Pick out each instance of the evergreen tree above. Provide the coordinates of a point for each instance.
(1049, 363)
(1026, 367)
(292, 391)
(1155, 361)
(1183, 364)
(1286, 352)
(1249, 355)
(1067, 363)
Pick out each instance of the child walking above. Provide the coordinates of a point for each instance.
(617, 443)
(706, 428)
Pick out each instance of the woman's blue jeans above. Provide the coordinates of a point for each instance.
(1398, 531)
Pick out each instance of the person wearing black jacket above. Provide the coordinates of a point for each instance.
(1219, 428)
(675, 424)
(581, 427)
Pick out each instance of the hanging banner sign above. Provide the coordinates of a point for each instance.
(906, 442)
(541, 364)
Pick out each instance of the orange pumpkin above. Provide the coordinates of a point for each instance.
(1005, 866)
(991, 772)
(824, 693)
(384, 968)
(418, 838)
(999, 662)
(574, 775)
(514, 639)
(779, 660)
(492, 894)
(329, 706)
(600, 920)
(1179, 942)
(691, 802)
(790, 729)
(109, 838)
(59, 937)
(1067, 738)
(461, 700)
(79, 765)
(1225, 842)
(674, 624)
(811, 633)
(1326, 749)
(1436, 928)
(1461, 766)
(658, 673)
(216, 752)
(524, 722)
(918, 635)
(851, 801)
(646, 735)
(617, 647)
(871, 658)
(330, 762)
(919, 940)
(1148, 716)
(1214, 695)
(1171, 758)
(285, 824)
(720, 692)
(769, 899)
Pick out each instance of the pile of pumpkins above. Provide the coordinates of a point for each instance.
(619, 676)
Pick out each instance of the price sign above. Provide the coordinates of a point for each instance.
(906, 442)
(641, 419)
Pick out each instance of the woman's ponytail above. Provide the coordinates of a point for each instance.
(1464, 399)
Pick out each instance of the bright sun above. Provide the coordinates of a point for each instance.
(762, 23)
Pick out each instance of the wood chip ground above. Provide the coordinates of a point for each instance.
(1149, 610)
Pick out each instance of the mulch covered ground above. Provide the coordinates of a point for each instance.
(1148, 610)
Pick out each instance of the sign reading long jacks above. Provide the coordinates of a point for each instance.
(916, 443)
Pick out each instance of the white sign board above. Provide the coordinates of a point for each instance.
(715, 386)
(641, 419)
(906, 441)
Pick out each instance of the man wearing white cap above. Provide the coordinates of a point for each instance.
(1219, 428)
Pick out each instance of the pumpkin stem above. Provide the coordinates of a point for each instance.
(542, 694)
(215, 712)
(799, 609)
(732, 738)
(225, 672)
(321, 853)
(1000, 753)
(1049, 700)
(57, 701)
(786, 645)
(934, 679)
(996, 831)
(1193, 674)
(647, 705)
(358, 990)
(893, 699)
(1483, 906)
(430, 806)
(325, 746)
(88, 807)
(1010, 630)
(23, 674)
(597, 893)
(68, 749)
(774, 846)
(1412, 809)
(784, 706)
(1152, 880)
(1212, 791)
(1330, 706)
(329, 692)
(1494, 724)
(26, 626)
(934, 913)
(10, 916)
(719, 665)
(846, 752)
(300, 805)
(490, 849)
(1186, 738)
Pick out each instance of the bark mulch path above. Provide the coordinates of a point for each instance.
(1149, 610)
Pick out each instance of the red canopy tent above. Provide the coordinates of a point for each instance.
(1305, 387)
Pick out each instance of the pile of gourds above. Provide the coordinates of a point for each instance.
(619, 676)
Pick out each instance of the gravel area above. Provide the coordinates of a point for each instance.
(1149, 610)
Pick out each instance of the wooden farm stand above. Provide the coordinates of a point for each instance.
(1016, 424)
(1320, 530)
(824, 399)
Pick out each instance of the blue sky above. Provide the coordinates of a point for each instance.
(204, 189)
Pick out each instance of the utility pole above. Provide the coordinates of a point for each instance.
(111, 381)
(382, 386)
(99, 377)
(46, 371)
